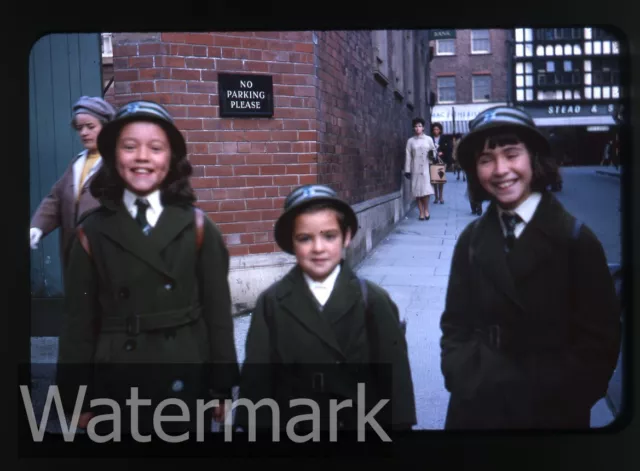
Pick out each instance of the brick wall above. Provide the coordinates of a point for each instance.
(334, 123)
(362, 126)
(243, 168)
(464, 64)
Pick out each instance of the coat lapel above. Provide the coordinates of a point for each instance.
(296, 298)
(537, 243)
(487, 250)
(125, 232)
(345, 294)
(172, 221)
(77, 172)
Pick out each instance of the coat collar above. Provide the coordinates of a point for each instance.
(296, 298)
(548, 228)
(77, 165)
(122, 229)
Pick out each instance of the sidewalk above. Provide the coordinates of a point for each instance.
(413, 265)
(609, 171)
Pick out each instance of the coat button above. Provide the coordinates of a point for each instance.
(124, 293)
(168, 286)
(130, 345)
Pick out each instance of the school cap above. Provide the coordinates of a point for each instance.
(299, 199)
(140, 111)
(95, 106)
(499, 119)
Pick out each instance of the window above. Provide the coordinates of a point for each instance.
(519, 50)
(577, 50)
(481, 87)
(528, 50)
(528, 68)
(519, 35)
(587, 93)
(529, 94)
(528, 35)
(520, 95)
(606, 47)
(606, 92)
(568, 50)
(576, 95)
(597, 93)
(480, 41)
(539, 34)
(597, 47)
(519, 68)
(549, 50)
(446, 89)
(540, 51)
(615, 92)
(558, 50)
(548, 34)
(587, 33)
(568, 66)
(587, 48)
(551, 66)
(576, 33)
(445, 47)
(615, 47)
(568, 95)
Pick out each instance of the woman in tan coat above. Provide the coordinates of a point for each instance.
(416, 166)
(70, 197)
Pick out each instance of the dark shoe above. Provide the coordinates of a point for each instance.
(420, 219)
(426, 218)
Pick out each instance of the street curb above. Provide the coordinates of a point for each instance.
(609, 174)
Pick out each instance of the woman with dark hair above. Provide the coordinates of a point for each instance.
(70, 197)
(443, 156)
(418, 155)
(531, 326)
(148, 293)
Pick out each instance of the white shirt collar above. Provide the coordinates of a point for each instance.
(322, 289)
(155, 205)
(525, 210)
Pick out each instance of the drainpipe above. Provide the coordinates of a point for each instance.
(510, 51)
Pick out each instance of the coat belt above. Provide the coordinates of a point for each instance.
(133, 324)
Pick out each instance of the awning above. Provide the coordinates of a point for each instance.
(458, 116)
(603, 120)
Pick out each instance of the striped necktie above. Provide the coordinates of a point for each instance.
(141, 216)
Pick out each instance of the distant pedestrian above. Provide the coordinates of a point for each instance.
(148, 293)
(443, 156)
(457, 169)
(419, 154)
(531, 326)
(70, 197)
(316, 332)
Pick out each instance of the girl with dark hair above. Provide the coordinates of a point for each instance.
(147, 280)
(531, 326)
(443, 156)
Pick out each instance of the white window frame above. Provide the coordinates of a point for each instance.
(488, 39)
(438, 89)
(445, 53)
(473, 88)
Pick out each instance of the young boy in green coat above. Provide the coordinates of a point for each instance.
(317, 332)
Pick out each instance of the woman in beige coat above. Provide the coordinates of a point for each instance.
(70, 197)
(419, 152)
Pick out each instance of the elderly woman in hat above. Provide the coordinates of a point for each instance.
(148, 292)
(531, 326)
(70, 197)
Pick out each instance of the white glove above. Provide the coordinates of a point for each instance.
(35, 235)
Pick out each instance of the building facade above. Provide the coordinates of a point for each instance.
(468, 75)
(337, 111)
(569, 80)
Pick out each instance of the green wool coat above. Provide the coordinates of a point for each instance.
(295, 350)
(149, 311)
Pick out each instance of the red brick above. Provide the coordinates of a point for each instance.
(142, 87)
(272, 170)
(254, 136)
(181, 50)
(308, 179)
(284, 146)
(304, 90)
(259, 159)
(210, 206)
(282, 68)
(238, 251)
(217, 124)
(231, 182)
(197, 171)
(185, 74)
(260, 204)
(205, 39)
(233, 228)
(184, 124)
(215, 147)
(174, 37)
(170, 86)
(247, 216)
(261, 248)
(307, 135)
(256, 66)
(244, 147)
(242, 170)
(232, 205)
(202, 159)
(304, 69)
(281, 46)
(219, 171)
(246, 238)
(222, 40)
(259, 181)
(200, 51)
(298, 80)
(154, 49)
(122, 87)
(261, 237)
(126, 75)
(309, 48)
(201, 136)
(298, 169)
(254, 43)
(266, 192)
(285, 159)
(297, 124)
(121, 50)
(203, 194)
(141, 62)
(283, 90)
(214, 52)
(155, 73)
(270, 214)
(286, 180)
(261, 226)
(201, 87)
(219, 218)
(199, 63)
(271, 124)
(239, 193)
(228, 64)
(204, 182)
(284, 135)
(200, 111)
(231, 159)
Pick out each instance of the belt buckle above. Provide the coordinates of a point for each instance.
(133, 325)
(494, 336)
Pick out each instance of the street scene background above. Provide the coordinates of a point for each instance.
(413, 264)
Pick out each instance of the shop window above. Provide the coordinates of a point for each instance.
(445, 47)
(446, 89)
(481, 87)
(480, 41)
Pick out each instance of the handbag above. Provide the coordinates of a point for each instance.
(438, 173)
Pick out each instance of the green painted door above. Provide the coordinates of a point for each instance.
(62, 67)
